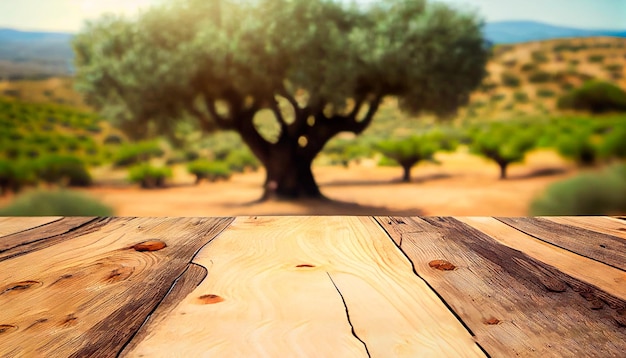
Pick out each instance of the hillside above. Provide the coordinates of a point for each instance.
(528, 78)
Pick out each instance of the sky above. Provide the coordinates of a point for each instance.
(69, 15)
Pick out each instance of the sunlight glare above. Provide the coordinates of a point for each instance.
(93, 8)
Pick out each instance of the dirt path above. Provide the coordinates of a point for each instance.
(462, 185)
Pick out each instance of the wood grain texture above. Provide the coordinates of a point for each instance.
(605, 225)
(514, 304)
(307, 286)
(604, 248)
(42, 232)
(182, 287)
(605, 278)
(88, 295)
(11, 225)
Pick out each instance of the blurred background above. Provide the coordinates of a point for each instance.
(278, 107)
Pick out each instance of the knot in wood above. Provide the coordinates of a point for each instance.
(210, 299)
(150, 245)
(442, 265)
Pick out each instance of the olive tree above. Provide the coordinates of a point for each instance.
(315, 67)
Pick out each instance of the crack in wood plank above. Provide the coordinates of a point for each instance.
(28, 241)
(345, 306)
(607, 249)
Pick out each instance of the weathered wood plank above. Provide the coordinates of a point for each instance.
(183, 286)
(11, 225)
(41, 232)
(88, 295)
(307, 286)
(514, 304)
(604, 248)
(605, 225)
(605, 278)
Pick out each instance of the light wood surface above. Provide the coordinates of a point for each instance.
(313, 286)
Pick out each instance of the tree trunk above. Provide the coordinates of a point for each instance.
(503, 166)
(289, 176)
(406, 177)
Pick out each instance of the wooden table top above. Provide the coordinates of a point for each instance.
(313, 286)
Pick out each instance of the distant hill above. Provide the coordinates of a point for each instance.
(503, 32)
(34, 54)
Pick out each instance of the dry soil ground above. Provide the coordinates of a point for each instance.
(461, 185)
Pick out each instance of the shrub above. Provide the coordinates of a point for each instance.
(597, 97)
(55, 203)
(15, 175)
(585, 194)
(574, 62)
(578, 146)
(64, 170)
(615, 67)
(520, 97)
(595, 58)
(545, 93)
(614, 143)
(510, 80)
(539, 57)
(487, 86)
(113, 139)
(539, 77)
(137, 152)
(497, 97)
(510, 63)
(149, 176)
(241, 159)
(209, 170)
(528, 67)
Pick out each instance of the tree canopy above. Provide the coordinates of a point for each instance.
(318, 67)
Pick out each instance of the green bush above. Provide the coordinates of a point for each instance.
(614, 67)
(595, 58)
(528, 67)
(64, 170)
(134, 153)
(539, 57)
(545, 93)
(520, 96)
(149, 176)
(597, 97)
(14, 175)
(613, 144)
(55, 203)
(510, 80)
(211, 171)
(497, 97)
(539, 77)
(113, 139)
(586, 194)
(241, 159)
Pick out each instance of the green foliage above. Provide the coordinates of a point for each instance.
(539, 57)
(614, 67)
(520, 96)
(539, 77)
(545, 93)
(138, 152)
(410, 151)
(497, 97)
(594, 96)
(503, 142)
(14, 175)
(63, 170)
(343, 151)
(613, 144)
(209, 170)
(55, 203)
(586, 194)
(595, 58)
(510, 79)
(149, 176)
(528, 67)
(241, 159)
